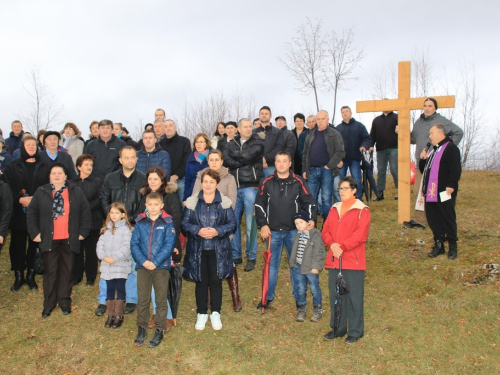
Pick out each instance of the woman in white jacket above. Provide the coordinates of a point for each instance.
(113, 249)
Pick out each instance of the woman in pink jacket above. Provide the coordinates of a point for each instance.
(345, 233)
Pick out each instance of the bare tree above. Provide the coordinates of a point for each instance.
(43, 109)
(342, 57)
(470, 109)
(385, 84)
(304, 57)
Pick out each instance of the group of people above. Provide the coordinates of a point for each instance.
(131, 204)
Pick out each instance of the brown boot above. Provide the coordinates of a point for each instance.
(110, 307)
(170, 323)
(233, 287)
(119, 305)
(151, 323)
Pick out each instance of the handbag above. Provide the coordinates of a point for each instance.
(38, 262)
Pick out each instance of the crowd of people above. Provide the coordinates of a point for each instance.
(132, 205)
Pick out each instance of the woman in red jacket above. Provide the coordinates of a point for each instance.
(345, 233)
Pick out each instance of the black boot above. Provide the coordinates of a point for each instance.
(142, 333)
(18, 281)
(30, 280)
(438, 248)
(452, 251)
(379, 197)
(157, 338)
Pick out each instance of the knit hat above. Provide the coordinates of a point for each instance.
(51, 132)
(280, 118)
(302, 215)
(232, 123)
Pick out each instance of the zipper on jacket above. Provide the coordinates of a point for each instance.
(151, 240)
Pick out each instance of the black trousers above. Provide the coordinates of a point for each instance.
(209, 278)
(442, 219)
(352, 319)
(57, 275)
(87, 259)
(20, 256)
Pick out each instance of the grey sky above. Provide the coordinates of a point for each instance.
(123, 59)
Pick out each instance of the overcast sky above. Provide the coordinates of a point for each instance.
(123, 59)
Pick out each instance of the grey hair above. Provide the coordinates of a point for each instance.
(441, 128)
(243, 119)
(311, 116)
(324, 111)
(158, 120)
(172, 121)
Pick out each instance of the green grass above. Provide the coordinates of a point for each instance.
(422, 315)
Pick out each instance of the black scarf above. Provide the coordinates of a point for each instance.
(58, 202)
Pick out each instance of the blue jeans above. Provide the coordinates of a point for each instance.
(180, 189)
(130, 287)
(355, 168)
(153, 300)
(268, 171)
(335, 189)
(244, 202)
(278, 239)
(300, 284)
(320, 177)
(385, 157)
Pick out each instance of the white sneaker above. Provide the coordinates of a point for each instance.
(200, 322)
(216, 323)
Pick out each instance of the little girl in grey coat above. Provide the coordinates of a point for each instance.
(113, 248)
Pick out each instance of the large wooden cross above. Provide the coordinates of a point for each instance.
(403, 105)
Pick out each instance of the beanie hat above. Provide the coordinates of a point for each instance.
(432, 100)
(302, 215)
(230, 123)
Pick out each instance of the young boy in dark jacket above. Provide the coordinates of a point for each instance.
(152, 243)
(306, 262)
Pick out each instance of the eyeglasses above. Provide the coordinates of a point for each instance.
(200, 142)
(345, 188)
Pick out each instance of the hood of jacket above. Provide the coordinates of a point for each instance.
(192, 201)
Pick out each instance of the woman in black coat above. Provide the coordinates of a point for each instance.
(58, 219)
(24, 176)
(208, 220)
(91, 187)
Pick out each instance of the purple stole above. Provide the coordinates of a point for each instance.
(432, 186)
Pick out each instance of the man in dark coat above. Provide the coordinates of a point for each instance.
(123, 186)
(243, 158)
(356, 140)
(441, 169)
(179, 149)
(273, 140)
(16, 136)
(289, 139)
(280, 196)
(105, 150)
(52, 153)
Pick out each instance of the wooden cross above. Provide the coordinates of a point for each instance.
(403, 105)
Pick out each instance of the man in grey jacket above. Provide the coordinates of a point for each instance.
(420, 138)
(321, 160)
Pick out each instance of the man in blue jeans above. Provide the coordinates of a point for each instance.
(123, 186)
(356, 140)
(321, 160)
(243, 158)
(279, 197)
(385, 139)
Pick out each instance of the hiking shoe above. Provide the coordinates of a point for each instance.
(438, 249)
(412, 224)
(268, 302)
(301, 314)
(317, 314)
(142, 333)
(157, 338)
(237, 261)
(250, 265)
(101, 309)
(129, 308)
(216, 322)
(200, 322)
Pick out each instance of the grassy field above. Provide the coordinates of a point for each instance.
(422, 315)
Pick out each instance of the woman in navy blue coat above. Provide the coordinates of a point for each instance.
(197, 161)
(208, 221)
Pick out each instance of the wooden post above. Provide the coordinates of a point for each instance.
(403, 105)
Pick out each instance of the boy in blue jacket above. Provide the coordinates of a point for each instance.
(152, 243)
